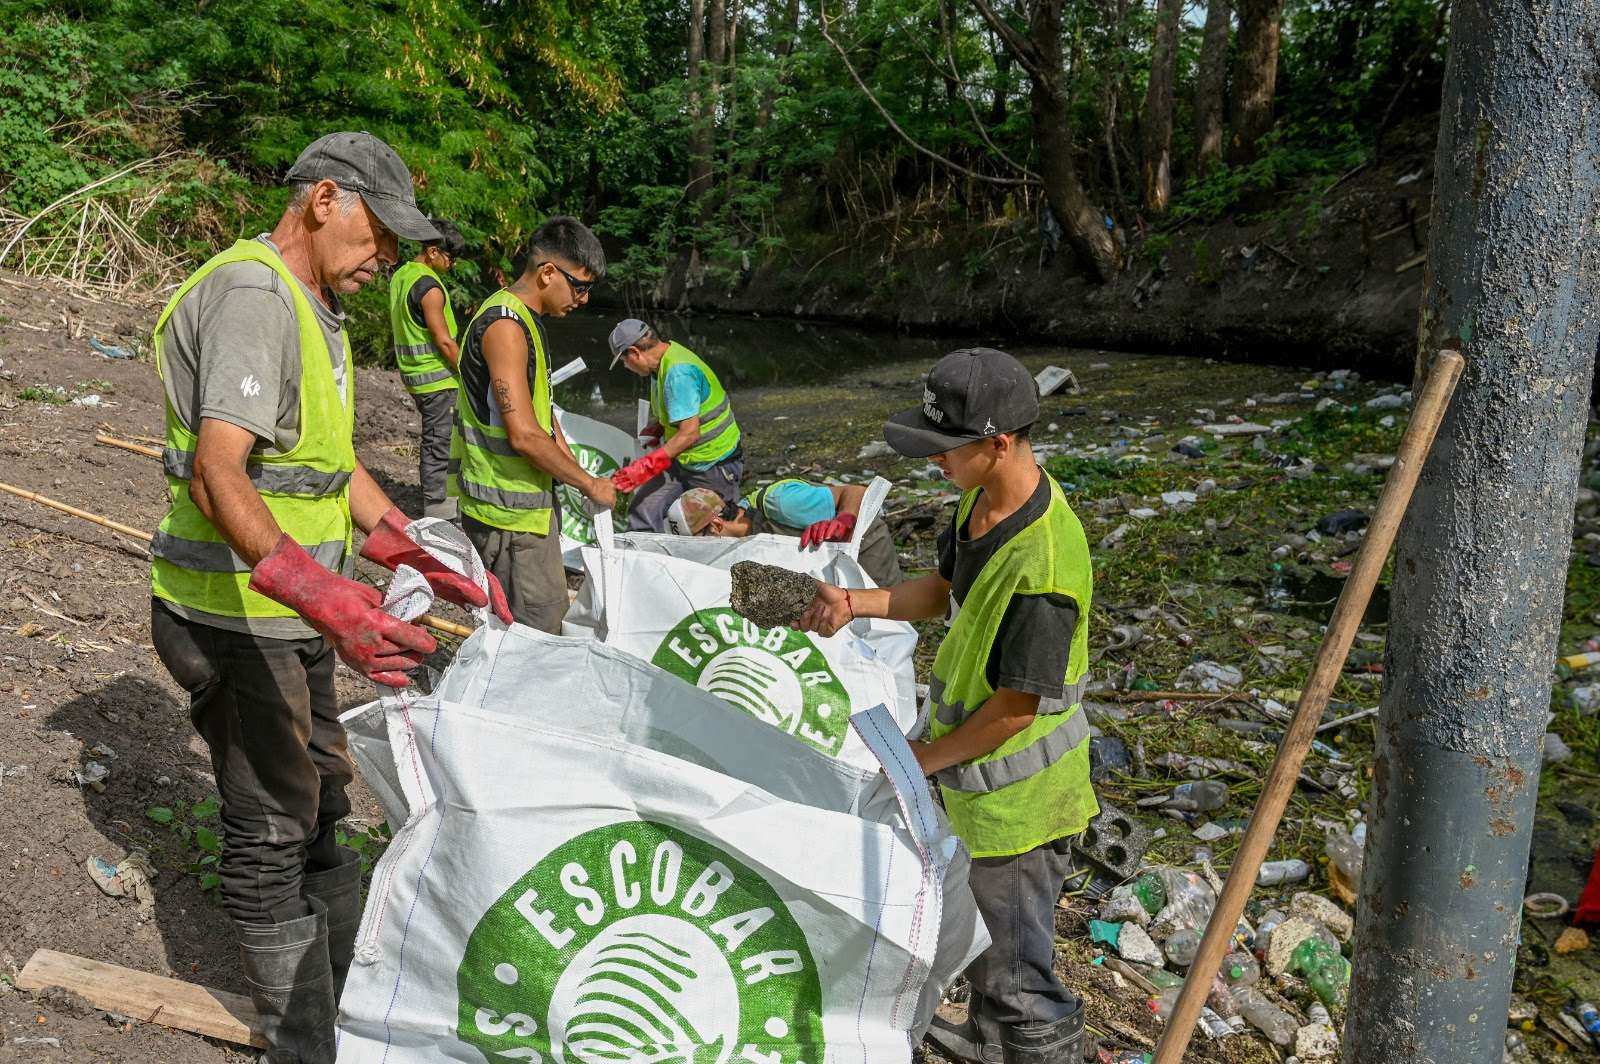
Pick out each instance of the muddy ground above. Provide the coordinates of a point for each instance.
(77, 668)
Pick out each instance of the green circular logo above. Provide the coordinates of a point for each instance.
(576, 524)
(776, 674)
(640, 942)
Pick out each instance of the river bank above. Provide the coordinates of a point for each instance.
(1324, 277)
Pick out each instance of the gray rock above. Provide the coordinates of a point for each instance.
(1135, 944)
(771, 596)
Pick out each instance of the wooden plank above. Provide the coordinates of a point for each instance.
(149, 998)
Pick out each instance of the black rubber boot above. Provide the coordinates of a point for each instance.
(286, 966)
(968, 1042)
(1060, 1042)
(339, 889)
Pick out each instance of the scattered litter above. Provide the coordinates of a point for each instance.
(108, 350)
(1198, 796)
(1545, 905)
(1341, 521)
(1208, 676)
(1572, 940)
(1555, 749)
(1135, 944)
(91, 400)
(132, 877)
(1052, 379)
(1115, 536)
(1179, 498)
(41, 1040)
(1211, 831)
(1273, 873)
(1243, 428)
(1389, 402)
(876, 449)
(93, 775)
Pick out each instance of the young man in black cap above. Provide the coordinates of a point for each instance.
(1006, 739)
(251, 601)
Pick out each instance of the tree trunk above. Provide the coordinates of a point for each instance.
(1255, 76)
(1513, 281)
(730, 134)
(1158, 107)
(1112, 101)
(1082, 224)
(1211, 85)
(998, 110)
(782, 48)
(699, 128)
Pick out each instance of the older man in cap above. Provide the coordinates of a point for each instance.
(251, 565)
(694, 420)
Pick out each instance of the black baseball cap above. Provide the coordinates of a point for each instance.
(362, 163)
(970, 394)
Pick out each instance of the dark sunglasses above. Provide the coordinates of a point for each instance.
(579, 288)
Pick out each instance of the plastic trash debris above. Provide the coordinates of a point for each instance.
(1179, 498)
(1052, 379)
(1105, 932)
(1275, 872)
(1181, 946)
(1239, 968)
(1243, 428)
(1269, 923)
(1194, 766)
(1199, 796)
(1189, 448)
(1389, 402)
(1124, 636)
(1586, 699)
(1572, 940)
(1545, 905)
(1341, 521)
(1264, 1016)
(1516, 1045)
(1208, 676)
(92, 400)
(1190, 900)
(1317, 1040)
(1122, 905)
(132, 877)
(1288, 936)
(876, 449)
(1210, 832)
(1555, 749)
(1151, 890)
(1589, 1016)
(93, 775)
(1115, 536)
(770, 596)
(1324, 968)
(108, 350)
(1108, 756)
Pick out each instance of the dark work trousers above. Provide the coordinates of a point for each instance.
(438, 410)
(528, 566)
(267, 710)
(648, 511)
(1014, 981)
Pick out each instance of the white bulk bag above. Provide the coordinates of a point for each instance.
(595, 861)
(601, 450)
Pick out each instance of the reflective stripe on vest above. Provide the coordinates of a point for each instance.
(422, 368)
(719, 429)
(498, 486)
(954, 713)
(278, 479)
(208, 556)
(982, 776)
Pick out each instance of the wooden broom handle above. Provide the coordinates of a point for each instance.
(427, 620)
(1325, 669)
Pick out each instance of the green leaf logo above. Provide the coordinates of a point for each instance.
(776, 674)
(640, 943)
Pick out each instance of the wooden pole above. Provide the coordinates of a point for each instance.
(427, 620)
(1325, 670)
(136, 448)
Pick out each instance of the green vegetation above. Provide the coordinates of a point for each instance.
(509, 112)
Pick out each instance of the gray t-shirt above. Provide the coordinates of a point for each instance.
(231, 351)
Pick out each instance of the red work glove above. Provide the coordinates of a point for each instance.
(651, 432)
(837, 529)
(641, 471)
(1588, 913)
(347, 614)
(389, 546)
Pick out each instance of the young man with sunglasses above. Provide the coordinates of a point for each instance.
(424, 325)
(507, 451)
(1006, 741)
(693, 419)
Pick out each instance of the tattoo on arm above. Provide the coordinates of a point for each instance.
(502, 395)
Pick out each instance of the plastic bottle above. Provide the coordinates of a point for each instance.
(1275, 872)
(1163, 1003)
(1264, 1016)
(1325, 970)
(1345, 850)
(1151, 892)
(1181, 946)
(1220, 998)
(1190, 900)
(1272, 919)
(1201, 796)
(1589, 1016)
(1240, 969)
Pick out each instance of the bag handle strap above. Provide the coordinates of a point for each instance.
(880, 734)
(871, 503)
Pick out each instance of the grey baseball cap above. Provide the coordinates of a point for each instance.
(628, 332)
(969, 395)
(362, 163)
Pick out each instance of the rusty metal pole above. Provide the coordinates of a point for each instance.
(1514, 284)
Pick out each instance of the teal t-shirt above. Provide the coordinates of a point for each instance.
(687, 390)
(799, 504)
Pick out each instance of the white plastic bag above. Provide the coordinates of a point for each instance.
(597, 862)
(601, 450)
